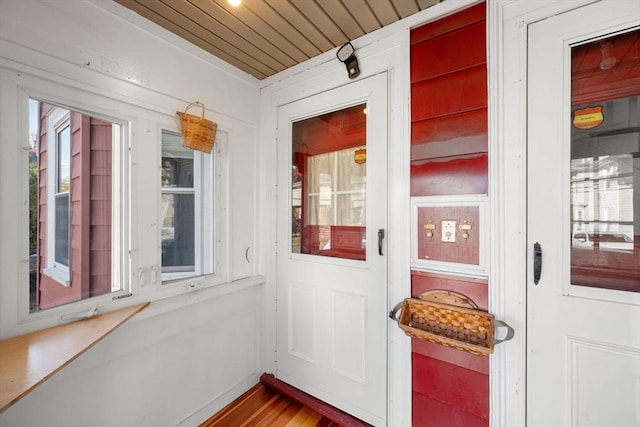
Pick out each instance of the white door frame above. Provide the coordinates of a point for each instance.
(507, 25)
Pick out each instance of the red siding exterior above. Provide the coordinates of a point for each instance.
(449, 156)
(100, 207)
(463, 389)
(449, 176)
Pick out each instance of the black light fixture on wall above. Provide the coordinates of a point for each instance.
(346, 54)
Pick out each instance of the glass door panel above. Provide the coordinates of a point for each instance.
(328, 189)
(605, 163)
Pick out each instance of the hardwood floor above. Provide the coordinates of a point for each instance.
(263, 406)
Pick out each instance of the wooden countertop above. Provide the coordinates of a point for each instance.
(28, 360)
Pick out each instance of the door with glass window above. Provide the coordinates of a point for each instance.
(331, 249)
(583, 287)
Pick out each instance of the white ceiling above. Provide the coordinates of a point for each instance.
(263, 37)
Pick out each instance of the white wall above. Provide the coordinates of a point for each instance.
(183, 357)
(161, 368)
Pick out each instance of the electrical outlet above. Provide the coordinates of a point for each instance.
(449, 231)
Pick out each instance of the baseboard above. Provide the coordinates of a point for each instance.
(219, 402)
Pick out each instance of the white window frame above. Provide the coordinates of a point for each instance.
(204, 214)
(213, 255)
(136, 254)
(57, 119)
(16, 318)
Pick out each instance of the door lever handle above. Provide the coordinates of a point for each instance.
(537, 262)
(380, 239)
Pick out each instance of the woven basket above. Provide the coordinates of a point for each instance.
(198, 133)
(467, 329)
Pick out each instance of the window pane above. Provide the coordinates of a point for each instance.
(605, 166)
(177, 162)
(177, 173)
(178, 205)
(62, 229)
(64, 160)
(329, 184)
(71, 216)
(178, 233)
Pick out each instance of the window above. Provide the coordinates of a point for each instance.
(329, 179)
(72, 217)
(605, 130)
(103, 204)
(186, 210)
(61, 139)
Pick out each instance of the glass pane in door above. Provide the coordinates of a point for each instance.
(605, 163)
(328, 209)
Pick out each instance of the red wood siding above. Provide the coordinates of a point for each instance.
(42, 197)
(80, 144)
(455, 92)
(449, 156)
(100, 206)
(429, 412)
(460, 388)
(450, 23)
(432, 56)
(450, 176)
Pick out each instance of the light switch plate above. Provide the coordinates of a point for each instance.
(449, 231)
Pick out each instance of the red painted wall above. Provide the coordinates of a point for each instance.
(449, 106)
(449, 156)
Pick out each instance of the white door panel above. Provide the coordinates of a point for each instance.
(583, 318)
(331, 311)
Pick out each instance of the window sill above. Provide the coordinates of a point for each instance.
(58, 275)
(28, 360)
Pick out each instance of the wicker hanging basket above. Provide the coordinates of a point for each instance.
(449, 319)
(198, 133)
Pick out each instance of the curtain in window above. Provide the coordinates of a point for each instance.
(336, 189)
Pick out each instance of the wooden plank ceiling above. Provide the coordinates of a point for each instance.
(263, 37)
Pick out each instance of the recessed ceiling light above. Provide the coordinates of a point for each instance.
(235, 3)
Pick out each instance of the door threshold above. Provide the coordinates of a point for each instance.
(322, 408)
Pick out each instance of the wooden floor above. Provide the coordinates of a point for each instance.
(262, 406)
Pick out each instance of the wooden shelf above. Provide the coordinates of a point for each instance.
(28, 360)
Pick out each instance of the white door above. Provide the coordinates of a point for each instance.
(331, 260)
(583, 315)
